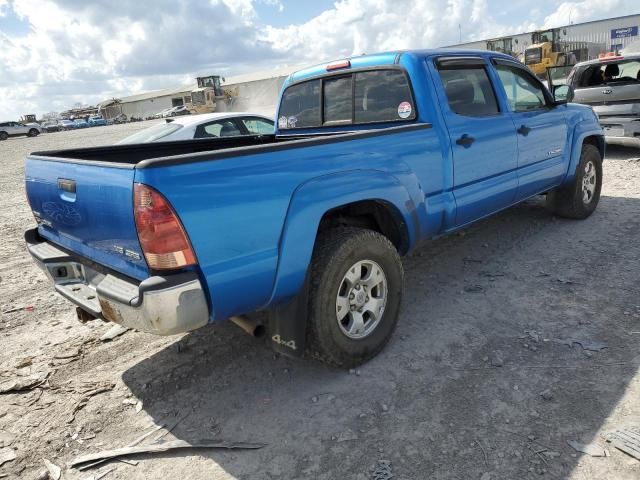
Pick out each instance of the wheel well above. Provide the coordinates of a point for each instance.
(376, 215)
(598, 142)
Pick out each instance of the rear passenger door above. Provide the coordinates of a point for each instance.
(20, 129)
(483, 138)
(541, 129)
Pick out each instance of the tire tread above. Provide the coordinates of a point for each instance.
(328, 245)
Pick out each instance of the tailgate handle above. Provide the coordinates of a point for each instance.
(67, 185)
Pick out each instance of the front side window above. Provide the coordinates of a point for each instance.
(469, 91)
(523, 92)
(381, 95)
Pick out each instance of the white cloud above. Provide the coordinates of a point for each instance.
(576, 12)
(79, 51)
(357, 26)
(274, 3)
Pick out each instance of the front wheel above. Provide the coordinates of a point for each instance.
(3, 136)
(580, 198)
(355, 296)
(33, 132)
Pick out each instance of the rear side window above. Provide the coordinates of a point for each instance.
(221, 128)
(258, 126)
(469, 91)
(356, 98)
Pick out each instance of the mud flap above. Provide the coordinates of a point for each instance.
(287, 325)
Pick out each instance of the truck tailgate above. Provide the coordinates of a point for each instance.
(87, 208)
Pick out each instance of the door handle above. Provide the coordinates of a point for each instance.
(465, 140)
(523, 130)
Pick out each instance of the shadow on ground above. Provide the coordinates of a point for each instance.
(487, 321)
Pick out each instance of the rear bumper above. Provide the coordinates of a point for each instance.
(621, 130)
(163, 305)
(625, 141)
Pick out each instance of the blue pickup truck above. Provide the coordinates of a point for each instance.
(370, 156)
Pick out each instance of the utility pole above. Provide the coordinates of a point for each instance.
(459, 33)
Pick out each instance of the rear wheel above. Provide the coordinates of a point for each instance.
(580, 198)
(4, 135)
(33, 132)
(355, 296)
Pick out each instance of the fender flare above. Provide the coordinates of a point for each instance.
(576, 148)
(312, 199)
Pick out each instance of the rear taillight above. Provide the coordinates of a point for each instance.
(162, 237)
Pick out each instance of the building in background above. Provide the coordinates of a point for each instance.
(255, 92)
(564, 45)
(145, 105)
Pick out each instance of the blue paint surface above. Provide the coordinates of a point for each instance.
(253, 219)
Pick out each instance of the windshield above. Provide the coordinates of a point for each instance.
(152, 134)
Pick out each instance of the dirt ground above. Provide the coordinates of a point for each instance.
(516, 336)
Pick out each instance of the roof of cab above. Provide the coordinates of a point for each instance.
(388, 58)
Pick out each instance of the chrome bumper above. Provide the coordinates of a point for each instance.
(625, 141)
(163, 305)
(621, 130)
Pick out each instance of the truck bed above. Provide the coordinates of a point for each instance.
(131, 154)
(186, 151)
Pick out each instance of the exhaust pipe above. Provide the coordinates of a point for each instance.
(83, 315)
(251, 327)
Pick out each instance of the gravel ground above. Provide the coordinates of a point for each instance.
(498, 361)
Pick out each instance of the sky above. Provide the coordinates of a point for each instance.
(54, 54)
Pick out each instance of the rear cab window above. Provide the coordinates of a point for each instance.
(351, 98)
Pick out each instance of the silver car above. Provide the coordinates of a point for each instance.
(16, 129)
(611, 85)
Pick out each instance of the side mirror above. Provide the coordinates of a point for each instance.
(562, 94)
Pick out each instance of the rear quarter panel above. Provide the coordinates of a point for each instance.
(235, 209)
